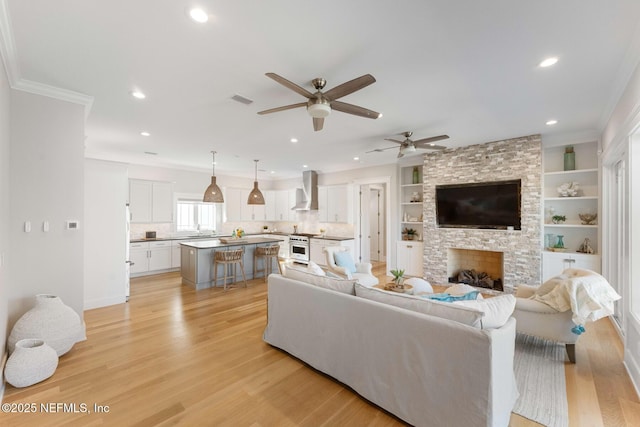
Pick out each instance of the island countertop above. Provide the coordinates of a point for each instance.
(216, 243)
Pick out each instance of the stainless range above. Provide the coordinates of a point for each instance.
(299, 247)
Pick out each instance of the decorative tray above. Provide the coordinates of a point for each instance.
(392, 287)
(233, 239)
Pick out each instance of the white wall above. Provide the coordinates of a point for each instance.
(47, 184)
(105, 238)
(616, 142)
(5, 138)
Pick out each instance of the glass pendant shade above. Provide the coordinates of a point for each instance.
(213, 194)
(255, 197)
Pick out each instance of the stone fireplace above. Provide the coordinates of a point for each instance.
(488, 262)
(518, 158)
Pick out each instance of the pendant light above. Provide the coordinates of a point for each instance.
(213, 194)
(256, 197)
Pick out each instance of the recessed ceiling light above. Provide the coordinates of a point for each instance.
(198, 15)
(305, 166)
(137, 94)
(549, 62)
(551, 122)
(379, 115)
(294, 140)
(356, 158)
(145, 134)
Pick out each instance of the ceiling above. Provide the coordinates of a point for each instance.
(468, 69)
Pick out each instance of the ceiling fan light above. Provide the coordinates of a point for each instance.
(409, 149)
(319, 110)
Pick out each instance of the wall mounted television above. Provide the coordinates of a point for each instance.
(488, 205)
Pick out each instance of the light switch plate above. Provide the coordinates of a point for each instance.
(73, 225)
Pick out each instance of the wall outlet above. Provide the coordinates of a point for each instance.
(73, 225)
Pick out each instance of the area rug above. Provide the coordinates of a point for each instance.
(539, 369)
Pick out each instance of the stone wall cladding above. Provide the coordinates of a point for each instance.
(517, 158)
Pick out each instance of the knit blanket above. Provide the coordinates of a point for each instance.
(589, 296)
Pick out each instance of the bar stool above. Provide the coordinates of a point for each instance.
(226, 259)
(268, 254)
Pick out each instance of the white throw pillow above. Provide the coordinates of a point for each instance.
(551, 284)
(497, 310)
(465, 315)
(341, 285)
(419, 285)
(314, 268)
(460, 289)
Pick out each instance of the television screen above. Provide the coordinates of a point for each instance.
(493, 205)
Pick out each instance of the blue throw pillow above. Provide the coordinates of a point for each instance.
(343, 259)
(450, 298)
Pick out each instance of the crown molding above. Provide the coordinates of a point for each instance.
(10, 60)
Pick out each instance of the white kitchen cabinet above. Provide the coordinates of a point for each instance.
(285, 200)
(409, 257)
(149, 257)
(150, 201)
(284, 244)
(175, 253)
(554, 263)
(333, 203)
(237, 208)
(269, 205)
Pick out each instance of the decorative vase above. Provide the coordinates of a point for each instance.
(32, 361)
(58, 325)
(416, 175)
(569, 159)
(560, 243)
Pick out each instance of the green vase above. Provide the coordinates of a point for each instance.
(416, 175)
(569, 159)
(560, 243)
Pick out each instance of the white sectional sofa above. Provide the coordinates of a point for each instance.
(427, 370)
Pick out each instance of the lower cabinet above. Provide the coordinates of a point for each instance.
(175, 254)
(554, 263)
(148, 257)
(409, 257)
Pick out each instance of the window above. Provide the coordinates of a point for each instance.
(194, 215)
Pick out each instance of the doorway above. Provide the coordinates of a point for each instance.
(372, 219)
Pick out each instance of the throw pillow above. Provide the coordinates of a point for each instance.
(550, 284)
(314, 268)
(497, 310)
(344, 259)
(419, 285)
(465, 315)
(340, 285)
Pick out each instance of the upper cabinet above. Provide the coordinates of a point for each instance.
(334, 203)
(277, 207)
(411, 196)
(150, 201)
(571, 190)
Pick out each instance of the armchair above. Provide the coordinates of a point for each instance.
(359, 270)
(559, 308)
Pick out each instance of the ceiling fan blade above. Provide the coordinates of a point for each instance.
(349, 87)
(380, 150)
(394, 140)
(354, 109)
(283, 108)
(431, 139)
(318, 123)
(400, 154)
(294, 87)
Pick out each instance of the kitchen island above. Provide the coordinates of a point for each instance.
(196, 259)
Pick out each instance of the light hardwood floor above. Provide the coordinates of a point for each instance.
(173, 356)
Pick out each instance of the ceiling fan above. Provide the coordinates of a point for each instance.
(319, 104)
(410, 146)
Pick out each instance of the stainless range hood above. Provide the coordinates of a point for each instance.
(307, 196)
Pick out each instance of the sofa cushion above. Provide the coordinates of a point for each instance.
(341, 285)
(497, 310)
(465, 315)
(344, 259)
(419, 285)
(314, 268)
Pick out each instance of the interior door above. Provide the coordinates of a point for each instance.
(365, 228)
(374, 224)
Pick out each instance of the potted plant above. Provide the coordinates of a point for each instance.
(558, 219)
(398, 277)
(409, 233)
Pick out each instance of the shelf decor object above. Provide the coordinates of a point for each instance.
(569, 159)
(51, 321)
(569, 189)
(588, 218)
(32, 361)
(558, 219)
(416, 175)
